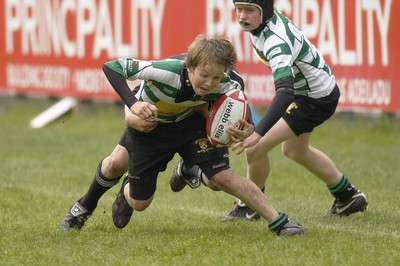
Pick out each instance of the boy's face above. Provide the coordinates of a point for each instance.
(205, 78)
(248, 16)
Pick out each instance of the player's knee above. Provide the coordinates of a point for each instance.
(114, 166)
(140, 205)
(255, 153)
(209, 183)
(291, 153)
(118, 166)
(213, 186)
(140, 197)
(219, 182)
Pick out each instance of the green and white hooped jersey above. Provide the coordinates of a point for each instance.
(284, 48)
(166, 85)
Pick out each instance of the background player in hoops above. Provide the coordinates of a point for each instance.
(306, 96)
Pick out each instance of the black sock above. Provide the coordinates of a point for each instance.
(99, 186)
(343, 189)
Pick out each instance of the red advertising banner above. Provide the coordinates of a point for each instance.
(57, 47)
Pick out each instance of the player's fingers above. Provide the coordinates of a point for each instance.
(233, 147)
(239, 150)
(236, 135)
(147, 112)
(154, 112)
(235, 139)
(141, 115)
(237, 147)
(150, 119)
(242, 146)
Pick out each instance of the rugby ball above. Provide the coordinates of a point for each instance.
(225, 112)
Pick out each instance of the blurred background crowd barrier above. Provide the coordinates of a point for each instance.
(56, 48)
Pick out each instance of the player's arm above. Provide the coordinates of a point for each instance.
(283, 98)
(117, 73)
(137, 123)
(117, 76)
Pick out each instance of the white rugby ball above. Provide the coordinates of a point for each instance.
(225, 112)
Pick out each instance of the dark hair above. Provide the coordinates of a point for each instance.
(266, 7)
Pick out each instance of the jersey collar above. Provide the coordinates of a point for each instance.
(186, 92)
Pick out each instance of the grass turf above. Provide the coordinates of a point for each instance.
(44, 171)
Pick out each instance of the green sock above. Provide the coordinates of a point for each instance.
(343, 189)
(278, 222)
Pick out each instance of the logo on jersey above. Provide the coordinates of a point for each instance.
(130, 66)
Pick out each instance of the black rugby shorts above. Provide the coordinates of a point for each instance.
(306, 113)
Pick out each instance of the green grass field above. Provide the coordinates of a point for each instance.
(44, 171)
